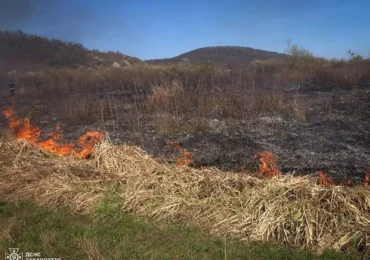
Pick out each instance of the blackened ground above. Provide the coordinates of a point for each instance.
(331, 132)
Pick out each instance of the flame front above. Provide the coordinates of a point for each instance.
(367, 179)
(325, 180)
(268, 164)
(26, 131)
(187, 155)
(186, 160)
(88, 142)
(23, 127)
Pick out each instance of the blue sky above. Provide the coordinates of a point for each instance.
(165, 28)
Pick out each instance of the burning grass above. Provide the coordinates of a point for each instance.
(268, 164)
(284, 209)
(367, 179)
(187, 157)
(25, 130)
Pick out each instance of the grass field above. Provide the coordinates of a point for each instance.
(112, 234)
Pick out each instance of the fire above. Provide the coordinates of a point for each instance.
(26, 131)
(186, 160)
(23, 127)
(268, 164)
(187, 156)
(325, 180)
(367, 179)
(88, 142)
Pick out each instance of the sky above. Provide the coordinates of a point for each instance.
(150, 29)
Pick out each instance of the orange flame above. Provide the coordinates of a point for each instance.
(88, 142)
(268, 165)
(187, 156)
(367, 179)
(26, 131)
(186, 160)
(325, 180)
(23, 127)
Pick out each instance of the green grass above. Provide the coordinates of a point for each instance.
(112, 234)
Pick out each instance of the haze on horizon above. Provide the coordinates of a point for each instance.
(150, 29)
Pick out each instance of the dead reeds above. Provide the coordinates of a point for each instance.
(284, 209)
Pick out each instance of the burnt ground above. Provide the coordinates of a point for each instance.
(334, 134)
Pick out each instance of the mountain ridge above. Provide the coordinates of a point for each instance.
(19, 50)
(221, 56)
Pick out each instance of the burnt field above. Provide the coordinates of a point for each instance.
(222, 119)
(333, 136)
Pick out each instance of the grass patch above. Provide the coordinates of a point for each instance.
(112, 234)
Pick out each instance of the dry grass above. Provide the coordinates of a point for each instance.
(174, 94)
(28, 172)
(80, 109)
(167, 98)
(287, 209)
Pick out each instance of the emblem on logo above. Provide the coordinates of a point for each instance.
(14, 255)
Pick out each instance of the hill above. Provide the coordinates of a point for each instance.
(221, 56)
(19, 50)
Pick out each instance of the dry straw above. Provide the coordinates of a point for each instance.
(286, 209)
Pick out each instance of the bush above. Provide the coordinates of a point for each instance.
(298, 56)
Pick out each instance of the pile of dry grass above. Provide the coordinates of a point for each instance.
(286, 209)
(27, 172)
